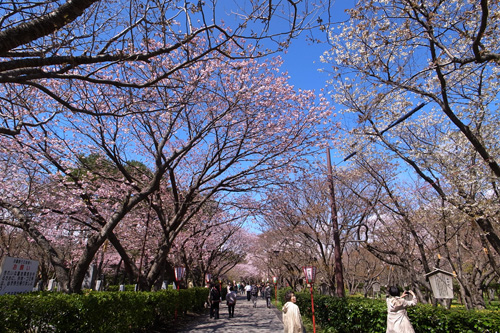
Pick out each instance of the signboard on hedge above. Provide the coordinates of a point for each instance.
(17, 275)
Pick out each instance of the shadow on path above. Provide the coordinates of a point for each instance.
(246, 319)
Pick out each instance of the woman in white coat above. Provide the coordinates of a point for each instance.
(292, 320)
(397, 317)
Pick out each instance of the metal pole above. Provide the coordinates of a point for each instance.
(276, 294)
(179, 297)
(312, 308)
(339, 274)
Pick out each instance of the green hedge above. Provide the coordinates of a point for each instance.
(361, 315)
(97, 311)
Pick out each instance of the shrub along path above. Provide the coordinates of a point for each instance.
(246, 319)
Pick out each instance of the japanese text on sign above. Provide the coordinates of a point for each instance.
(17, 275)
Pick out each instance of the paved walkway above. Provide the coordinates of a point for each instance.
(246, 319)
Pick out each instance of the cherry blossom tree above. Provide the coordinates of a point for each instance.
(92, 43)
(299, 217)
(74, 73)
(248, 270)
(459, 250)
(393, 55)
(280, 252)
(211, 246)
(212, 132)
(362, 270)
(412, 229)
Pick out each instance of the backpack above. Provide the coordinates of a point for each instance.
(255, 291)
(215, 295)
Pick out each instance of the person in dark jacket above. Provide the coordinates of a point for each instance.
(267, 294)
(214, 302)
(255, 294)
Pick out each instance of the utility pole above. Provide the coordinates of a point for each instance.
(339, 272)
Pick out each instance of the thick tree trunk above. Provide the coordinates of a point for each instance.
(93, 244)
(56, 260)
(43, 26)
(95, 241)
(130, 266)
(62, 272)
(158, 265)
(471, 292)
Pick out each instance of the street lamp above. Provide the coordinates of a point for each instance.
(208, 278)
(179, 274)
(310, 274)
(275, 281)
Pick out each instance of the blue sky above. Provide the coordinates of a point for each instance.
(302, 59)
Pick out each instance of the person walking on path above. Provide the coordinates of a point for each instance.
(214, 302)
(248, 289)
(292, 321)
(397, 317)
(231, 301)
(247, 319)
(255, 294)
(267, 294)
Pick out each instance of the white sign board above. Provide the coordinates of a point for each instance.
(17, 275)
(442, 285)
(376, 287)
(52, 285)
(98, 285)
